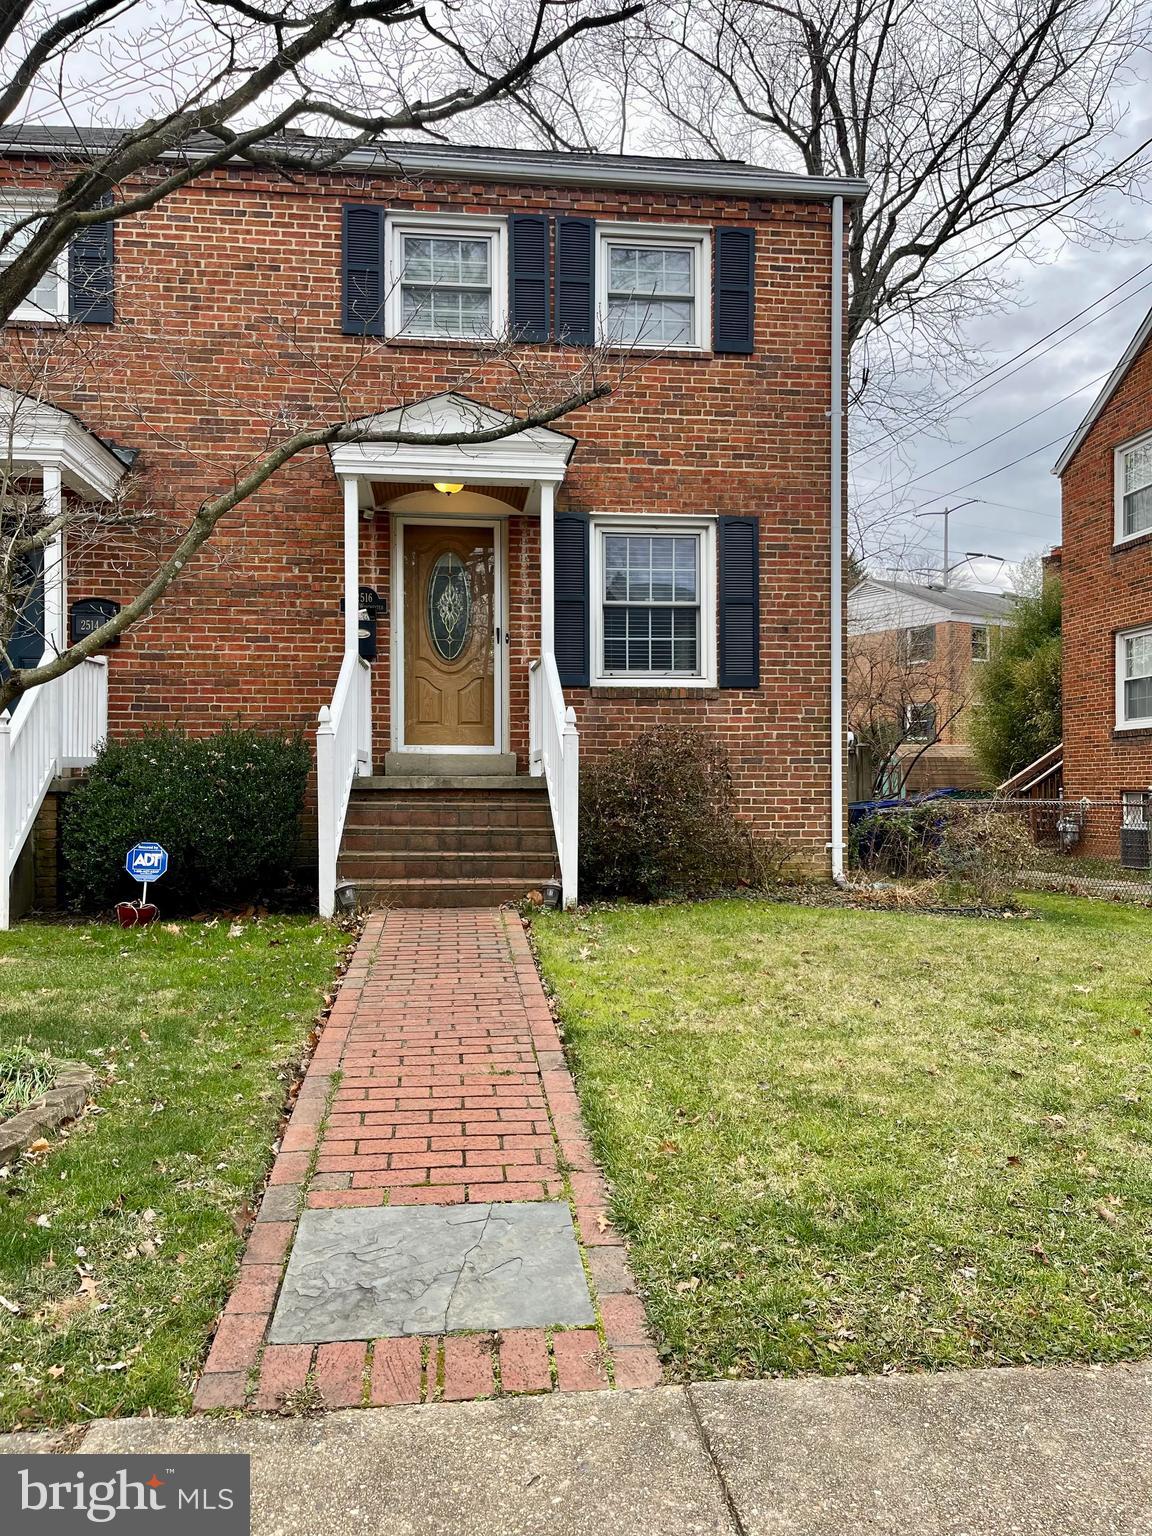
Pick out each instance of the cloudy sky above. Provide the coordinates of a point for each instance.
(1016, 512)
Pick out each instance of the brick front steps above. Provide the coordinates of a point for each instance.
(439, 1078)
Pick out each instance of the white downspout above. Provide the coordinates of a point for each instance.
(836, 585)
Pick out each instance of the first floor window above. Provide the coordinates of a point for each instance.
(446, 282)
(48, 300)
(1134, 678)
(920, 722)
(652, 587)
(1134, 489)
(981, 642)
(652, 290)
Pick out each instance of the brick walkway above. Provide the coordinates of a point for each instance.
(452, 1087)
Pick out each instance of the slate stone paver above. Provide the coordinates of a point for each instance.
(387, 1272)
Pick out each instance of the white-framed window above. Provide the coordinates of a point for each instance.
(652, 283)
(981, 642)
(920, 643)
(1134, 678)
(446, 278)
(1133, 485)
(654, 604)
(920, 722)
(48, 300)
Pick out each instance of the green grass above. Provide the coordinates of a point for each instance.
(119, 1245)
(25, 1075)
(843, 1140)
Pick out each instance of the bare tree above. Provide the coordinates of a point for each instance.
(986, 131)
(898, 705)
(290, 88)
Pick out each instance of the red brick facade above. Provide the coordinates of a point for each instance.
(228, 303)
(1107, 590)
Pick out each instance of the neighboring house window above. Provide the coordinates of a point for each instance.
(654, 285)
(920, 722)
(654, 616)
(49, 298)
(981, 642)
(1135, 826)
(920, 643)
(446, 280)
(1133, 474)
(1134, 678)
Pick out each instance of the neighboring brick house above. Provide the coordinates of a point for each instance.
(670, 545)
(913, 655)
(1105, 564)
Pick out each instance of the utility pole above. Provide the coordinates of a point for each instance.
(946, 513)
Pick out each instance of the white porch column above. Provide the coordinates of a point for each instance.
(351, 566)
(547, 568)
(52, 491)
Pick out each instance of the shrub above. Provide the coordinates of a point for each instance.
(983, 851)
(900, 843)
(226, 807)
(658, 818)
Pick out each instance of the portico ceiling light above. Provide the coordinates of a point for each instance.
(446, 487)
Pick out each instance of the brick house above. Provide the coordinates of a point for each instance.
(1105, 562)
(661, 555)
(914, 651)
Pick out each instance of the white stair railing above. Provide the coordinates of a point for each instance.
(343, 751)
(58, 725)
(554, 751)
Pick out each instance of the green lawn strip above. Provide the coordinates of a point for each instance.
(195, 1030)
(842, 1140)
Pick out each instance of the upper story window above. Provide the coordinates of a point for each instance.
(652, 283)
(48, 300)
(981, 642)
(446, 278)
(1133, 475)
(1134, 678)
(655, 603)
(920, 643)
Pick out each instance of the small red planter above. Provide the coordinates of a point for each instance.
(136, 914)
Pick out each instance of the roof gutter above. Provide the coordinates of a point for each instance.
(836, 585)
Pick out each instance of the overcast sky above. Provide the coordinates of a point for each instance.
(1018, 510)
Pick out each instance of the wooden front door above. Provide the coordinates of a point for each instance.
(449, 633)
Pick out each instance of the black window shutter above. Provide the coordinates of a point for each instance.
(739, 602)
(26, 642)
(90, 275)
(571, 549)
(363, 268)
(575, 281)
(528, 275)
(734, 293)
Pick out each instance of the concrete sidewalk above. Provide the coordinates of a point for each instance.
(1061, 1452)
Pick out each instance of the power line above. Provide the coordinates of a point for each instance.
(897, 436)
(1031, 454)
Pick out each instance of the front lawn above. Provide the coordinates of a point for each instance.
(843, 1140)
(118, 1245)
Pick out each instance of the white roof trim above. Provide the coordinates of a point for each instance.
(36, 435)
(1115, 378)
(523, 458)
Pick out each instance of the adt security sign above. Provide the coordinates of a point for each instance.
(146, 862)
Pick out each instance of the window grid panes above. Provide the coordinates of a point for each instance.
(920, 642)
(651, 604)
(921, 722)
(48, 299)
(446, 287)
(980, 642)
(1137, 489)
(1136, 653)
(651, 294)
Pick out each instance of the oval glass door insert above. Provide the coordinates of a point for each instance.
(449, 605)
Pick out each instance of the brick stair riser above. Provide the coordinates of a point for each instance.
(402, 840)
(436, 893)
(531, 817)
(527, 869)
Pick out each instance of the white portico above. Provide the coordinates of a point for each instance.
(448, 501)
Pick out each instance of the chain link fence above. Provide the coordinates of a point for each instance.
(1089, 847)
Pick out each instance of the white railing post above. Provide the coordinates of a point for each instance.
(547, 568)
(326, 811)
(351, 567)
(535, 719)
(5, 822)
(570, 800)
